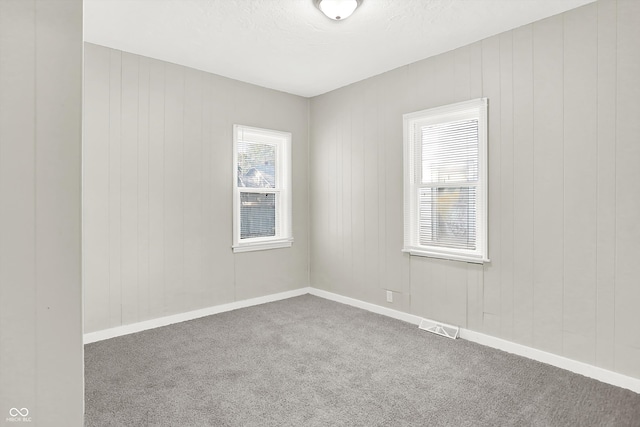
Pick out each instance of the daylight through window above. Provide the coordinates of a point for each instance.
(262, 189)
(445, 182)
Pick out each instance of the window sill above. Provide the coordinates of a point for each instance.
(262, 246)
(448, 256)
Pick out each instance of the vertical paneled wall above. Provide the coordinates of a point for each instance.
(158, 179)
(564, 187)
(41, 367)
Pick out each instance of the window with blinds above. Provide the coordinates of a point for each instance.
(445, 184)
(262, 189)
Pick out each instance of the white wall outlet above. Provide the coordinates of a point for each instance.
(389, 296)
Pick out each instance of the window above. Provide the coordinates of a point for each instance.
(261, 189)
(445, 182)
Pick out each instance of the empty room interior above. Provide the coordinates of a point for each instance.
(320, 212)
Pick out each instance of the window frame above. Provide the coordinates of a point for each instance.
(476, 108)
(283, 209)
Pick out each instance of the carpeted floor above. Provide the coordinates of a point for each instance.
(307, 361)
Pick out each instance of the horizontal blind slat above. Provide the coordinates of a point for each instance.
(449, 151)
(449, 154)
(258, 214)
(447, 217)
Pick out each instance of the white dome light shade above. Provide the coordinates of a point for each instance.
(337, 9)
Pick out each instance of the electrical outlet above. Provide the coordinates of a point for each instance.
(389, 296)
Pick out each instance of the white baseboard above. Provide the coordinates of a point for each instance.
(190, 315)
(581, 368)
(389, 312)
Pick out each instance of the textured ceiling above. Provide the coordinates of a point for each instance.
(290, 46)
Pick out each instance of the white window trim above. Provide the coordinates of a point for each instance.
(284, 236)
(461, 110)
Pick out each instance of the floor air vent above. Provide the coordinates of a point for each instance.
(439, 328)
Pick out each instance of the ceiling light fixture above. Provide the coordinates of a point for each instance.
(337, 10)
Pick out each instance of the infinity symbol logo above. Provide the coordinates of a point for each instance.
(14, 412)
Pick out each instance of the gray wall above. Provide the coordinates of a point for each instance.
(564, 190)
(158, 189)
(40, 261)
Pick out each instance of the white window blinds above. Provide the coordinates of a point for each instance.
(257, 170)
(445, 182)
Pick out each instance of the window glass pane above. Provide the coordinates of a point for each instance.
(450, 152)
(257, 215)
(256, 165)
(448, 217)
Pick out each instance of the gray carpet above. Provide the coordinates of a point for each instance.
(307, 361)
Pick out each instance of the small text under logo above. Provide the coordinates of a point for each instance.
(18, 415)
